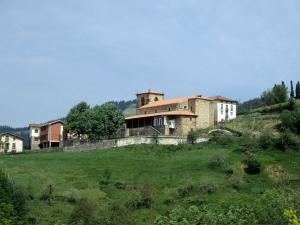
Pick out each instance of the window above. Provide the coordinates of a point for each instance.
(143, 101)
(185, 106)
(231, 108)
(156, 110)
(145, 112)
(169, 109)
(36, 131)
(160, 121)
(13, 145)
(155, 121)
(36, 139)
(231, 113)
(14, 138)
(221, 112)
(7, 138)
(155, 99)
(222, 107)
(191, 108)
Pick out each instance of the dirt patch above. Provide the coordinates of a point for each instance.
(276, 172)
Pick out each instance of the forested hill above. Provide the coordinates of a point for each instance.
(122, 105)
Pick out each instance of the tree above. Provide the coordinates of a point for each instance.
(104, 120)
(292, 94)
(279, 93)
(97, 122)
(192, 136)
(76, 120)
(12, 208)
(297, 90)
(291, 120)
(267, 97)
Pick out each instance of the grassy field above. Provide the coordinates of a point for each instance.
(166, 169)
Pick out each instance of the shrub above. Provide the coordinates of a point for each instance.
(253, 166)
(217, 160)
(84, 211)
(134, 201)
(236, 181)
(207, 188)
(120, 185)
(266, 139)
(226, 139)
(192, 136)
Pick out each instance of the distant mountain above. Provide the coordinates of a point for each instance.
(122, 105)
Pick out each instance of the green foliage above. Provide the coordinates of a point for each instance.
(291, 120)
(247, 142)
(297, 90)
(192, 136)
(155, 137)
(217, 160)
(266, 139)
(280, 93)
(236, 181)
(286, 139)
(12, 208)
(292, 217)
(253, 166)
(97, 122)
(76, 119)
(85, 211)
(47, 193)
(106, 177)
(116, 213)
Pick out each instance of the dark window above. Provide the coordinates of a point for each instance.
(155, 99)
(143, 101)
(36, 131)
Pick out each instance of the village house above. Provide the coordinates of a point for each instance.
(176, 116)
(224, 109)
(11, 143)
(34, 135)
(46, 135)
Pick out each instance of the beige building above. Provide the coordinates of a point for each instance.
(11, 143)
(34, 135)
(176, 116)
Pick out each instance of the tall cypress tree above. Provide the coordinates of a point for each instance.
(298, 90)
(292, 94)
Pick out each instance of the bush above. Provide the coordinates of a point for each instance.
(236, 181)
(120, 185)
(266, 139)
(207, 188)
(192, 136)
(253, 166)
(83, 211)
(217, 160)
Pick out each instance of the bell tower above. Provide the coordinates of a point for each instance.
(148, 97)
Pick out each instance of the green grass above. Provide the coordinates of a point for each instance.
(163, 167)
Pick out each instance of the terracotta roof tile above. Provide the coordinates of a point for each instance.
(11, 134)
(36, 125)
(150, 92)
(173, 101)
(219, 97)
(168, 113)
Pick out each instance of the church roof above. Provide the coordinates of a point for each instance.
(168, 113)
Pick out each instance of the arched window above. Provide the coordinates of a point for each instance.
(155, 99)
(143, 100)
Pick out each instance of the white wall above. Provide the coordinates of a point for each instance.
(32, 132)
(218, 111)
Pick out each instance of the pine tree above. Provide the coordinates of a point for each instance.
(298, 90)
(282, 83)
(292, 94)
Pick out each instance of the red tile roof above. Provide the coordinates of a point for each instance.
(150, 92)
(221, 98)
(11, 134)
(172, 101)
(36, 125)
(168, 113)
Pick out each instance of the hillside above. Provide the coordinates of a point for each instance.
(135, 184)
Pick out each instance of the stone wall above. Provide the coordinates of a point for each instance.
(80, 145)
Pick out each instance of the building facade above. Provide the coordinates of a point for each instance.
(176, 116)
(11, 143)
(34, 136)
(224, 109)
(51, 134)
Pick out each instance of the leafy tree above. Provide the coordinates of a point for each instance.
(253, 166)
(292, 94)
(12, 208)
(267, 97)
(266, 138)
(279, 93)
(192, 136)
(76, 120)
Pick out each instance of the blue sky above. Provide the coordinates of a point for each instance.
(54, 54)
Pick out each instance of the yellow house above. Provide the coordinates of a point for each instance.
(11, 143)
(175, 116)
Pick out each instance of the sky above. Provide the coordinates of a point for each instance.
(55, 54)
